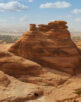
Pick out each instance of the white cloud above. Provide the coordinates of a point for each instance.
(12, 6)
(27, 0)
(78, 19)
(30, 0)
(59, 4)
(76, 11)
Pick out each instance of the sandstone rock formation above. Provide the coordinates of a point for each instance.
(19, 89)
(56, 29)
(49, 45)
(4, 80)
(66, 92)
(13, 90)
(17, 66)
(27, 71)
(33, 73)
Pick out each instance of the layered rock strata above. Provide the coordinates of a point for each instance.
(49, 45)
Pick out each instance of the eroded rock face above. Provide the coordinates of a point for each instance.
(67, 92)
(13, 90)
(4, 80)
(56, 29)
(17, 66)
(50, 45)
(19, 89)
(33, 27)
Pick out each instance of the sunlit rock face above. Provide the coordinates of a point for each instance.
(49, 45)
(13, 90)
(56, 29)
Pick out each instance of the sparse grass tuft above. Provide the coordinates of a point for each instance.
(78, 92)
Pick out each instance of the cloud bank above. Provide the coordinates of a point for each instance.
(59, 4)
(12, 6)
(30, 0)
(77, 11)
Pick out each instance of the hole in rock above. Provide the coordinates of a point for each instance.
(36, 94)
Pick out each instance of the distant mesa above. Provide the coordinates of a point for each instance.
(49, 45)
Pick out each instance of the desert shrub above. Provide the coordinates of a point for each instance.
(78, 92)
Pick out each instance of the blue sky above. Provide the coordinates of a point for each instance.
(16, 15)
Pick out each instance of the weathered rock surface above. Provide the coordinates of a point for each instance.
(67, 91)
(50, 77)
(4, 80)
(63, 93)
(28, 71)
(56, 29)
(49, 45)
(18, 66)
(17, 91)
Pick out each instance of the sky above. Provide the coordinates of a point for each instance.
(16, 15)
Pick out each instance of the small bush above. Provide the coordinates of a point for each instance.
(78, 92)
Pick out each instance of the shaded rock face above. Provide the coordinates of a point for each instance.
(17, 66)
(49, 45)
